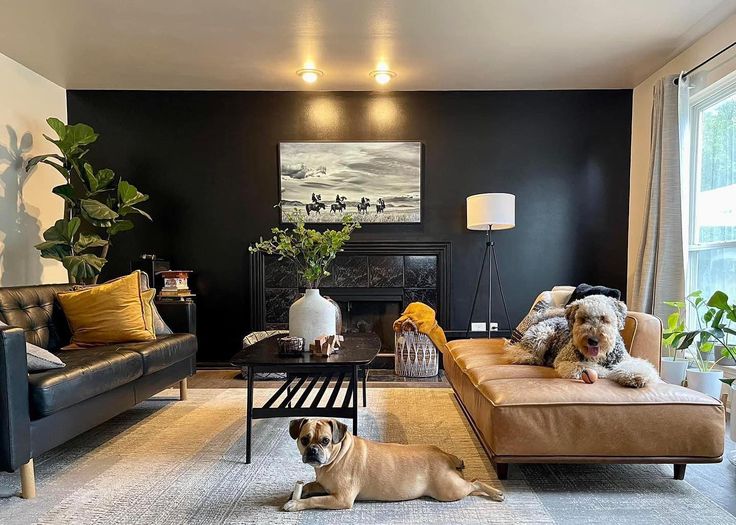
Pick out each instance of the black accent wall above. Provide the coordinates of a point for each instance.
(209, 162)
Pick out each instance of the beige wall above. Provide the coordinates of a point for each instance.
(27, 206)
(720, 37)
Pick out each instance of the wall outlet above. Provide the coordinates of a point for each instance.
(494, 327)
(478, 327)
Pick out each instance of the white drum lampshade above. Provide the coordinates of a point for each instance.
(494, 210)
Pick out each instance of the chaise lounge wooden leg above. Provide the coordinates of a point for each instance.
(502, 470)
(27, 481)
(183, 389)
(680, 470)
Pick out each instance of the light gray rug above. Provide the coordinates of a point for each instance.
(168, 462)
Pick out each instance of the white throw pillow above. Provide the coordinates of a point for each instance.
(40, 359)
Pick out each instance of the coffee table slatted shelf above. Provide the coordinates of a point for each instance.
(299, 395)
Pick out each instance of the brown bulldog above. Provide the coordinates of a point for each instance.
(348, 468)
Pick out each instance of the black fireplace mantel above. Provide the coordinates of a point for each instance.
(412, 270)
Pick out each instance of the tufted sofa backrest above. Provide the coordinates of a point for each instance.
(36, 310)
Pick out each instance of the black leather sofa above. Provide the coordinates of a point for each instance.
(41, 410)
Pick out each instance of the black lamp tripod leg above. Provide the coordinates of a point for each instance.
(477, 288)
(500, 286)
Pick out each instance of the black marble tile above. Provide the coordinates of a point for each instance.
(386, 271)
(423, 295)
(279, 274)
(351, 271)
(420, 271)
(278, 301)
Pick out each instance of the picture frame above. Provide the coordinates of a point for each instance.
(377, 182)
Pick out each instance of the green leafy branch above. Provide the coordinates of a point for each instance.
(311, 251)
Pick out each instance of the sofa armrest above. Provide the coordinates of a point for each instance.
(643, 337)
(15, 422)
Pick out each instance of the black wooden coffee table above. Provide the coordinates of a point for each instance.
(303, 375)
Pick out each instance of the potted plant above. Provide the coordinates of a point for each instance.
(674, 364)
(98, 205)
(714, 330)
(312, 252)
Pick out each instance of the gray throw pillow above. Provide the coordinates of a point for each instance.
(40, 359)
(159, 325)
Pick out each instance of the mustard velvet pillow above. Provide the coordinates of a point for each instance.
(109, 313)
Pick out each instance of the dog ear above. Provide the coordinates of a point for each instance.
(621, 313)
(338, 430)
(570, 311)
(295, 427)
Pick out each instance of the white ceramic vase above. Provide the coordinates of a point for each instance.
(673, 370)
(311, 316)
(706, 382)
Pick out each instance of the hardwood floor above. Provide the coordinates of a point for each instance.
(718, 480)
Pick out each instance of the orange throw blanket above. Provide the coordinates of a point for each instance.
(420, 317)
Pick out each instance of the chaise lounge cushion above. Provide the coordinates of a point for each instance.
(88, 372)
(561, 417)
(164, 351)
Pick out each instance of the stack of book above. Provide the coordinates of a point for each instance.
(176, 285)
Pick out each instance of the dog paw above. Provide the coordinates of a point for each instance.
(292, 505)
(498, 496)
(637, 382)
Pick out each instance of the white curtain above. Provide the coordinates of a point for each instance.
(660, 270)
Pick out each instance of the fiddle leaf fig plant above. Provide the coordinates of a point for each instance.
(98, 204)
(311, 251)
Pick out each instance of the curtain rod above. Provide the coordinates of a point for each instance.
(704, 62)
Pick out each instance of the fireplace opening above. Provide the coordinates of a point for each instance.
(369, 311)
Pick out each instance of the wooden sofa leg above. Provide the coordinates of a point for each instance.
(680, 470)
(183, 389)
(502, 470)
(27, 481)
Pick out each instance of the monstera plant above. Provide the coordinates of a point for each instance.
(98, 204)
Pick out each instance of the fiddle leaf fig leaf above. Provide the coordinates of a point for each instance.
(58, 126)
(88, 241)
(120, 226)
(91, 179)
(66, 192)
(56, 250)
(97, 211)
(63, 230)
(129, 194)
(127, 210)
(83, 267)
(104, 178)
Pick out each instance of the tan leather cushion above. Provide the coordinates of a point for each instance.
(481, 374)
(462, 346)
(562, 417)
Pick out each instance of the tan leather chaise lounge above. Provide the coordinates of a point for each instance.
(527, 414)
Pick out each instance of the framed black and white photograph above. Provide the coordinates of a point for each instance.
(376, 182)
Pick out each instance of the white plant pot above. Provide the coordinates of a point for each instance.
(706, 382)
(673, 370)
(311, 316)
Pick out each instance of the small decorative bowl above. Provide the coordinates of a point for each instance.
(290, 345)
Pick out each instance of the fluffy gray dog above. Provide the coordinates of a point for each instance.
(585, 334)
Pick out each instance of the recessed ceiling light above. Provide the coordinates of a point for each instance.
(310, 75)
(382, 76)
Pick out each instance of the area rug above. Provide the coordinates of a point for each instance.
(168, 462)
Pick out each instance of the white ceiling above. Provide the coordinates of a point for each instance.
(431, 44)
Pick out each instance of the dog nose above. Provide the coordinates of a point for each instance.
(312, 451)
(593, 341)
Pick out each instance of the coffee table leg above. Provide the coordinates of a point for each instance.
(365, 381)
(354, 380)
(249, 415)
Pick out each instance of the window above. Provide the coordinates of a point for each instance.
(712, 202)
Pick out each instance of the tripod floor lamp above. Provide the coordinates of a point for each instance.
(490, 211)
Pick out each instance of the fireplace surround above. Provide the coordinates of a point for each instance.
(372, 281)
